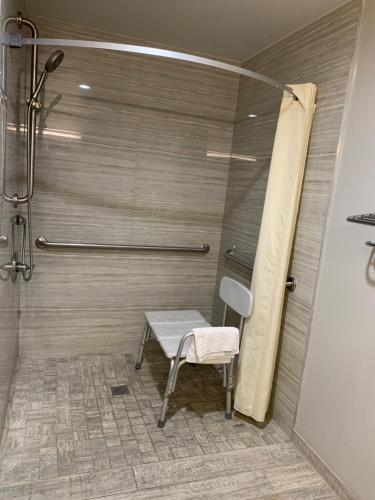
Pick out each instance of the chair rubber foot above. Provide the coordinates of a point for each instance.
(228, 415)
(138, 366)
(161, 423)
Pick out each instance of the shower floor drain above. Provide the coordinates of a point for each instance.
(119, 390)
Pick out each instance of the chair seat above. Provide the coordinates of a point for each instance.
(170, 334)
(154, 317)
(170, 346)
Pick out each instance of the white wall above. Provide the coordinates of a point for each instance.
(336, 414)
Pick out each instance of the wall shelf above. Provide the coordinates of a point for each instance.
(368, 219)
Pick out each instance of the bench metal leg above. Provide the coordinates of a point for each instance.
(224, 375)
(229, 389)
(176, 364)
(145, 337)
(167, 393)
(176, 370)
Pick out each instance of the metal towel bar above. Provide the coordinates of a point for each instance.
(43, 244)
(291, 282)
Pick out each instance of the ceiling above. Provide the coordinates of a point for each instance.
(230, 29)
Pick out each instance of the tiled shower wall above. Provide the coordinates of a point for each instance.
(12, 161)
(320, 53)
(125, 162)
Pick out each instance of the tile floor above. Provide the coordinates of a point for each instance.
(68, 437)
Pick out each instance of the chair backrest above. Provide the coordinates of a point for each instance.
(236, 296)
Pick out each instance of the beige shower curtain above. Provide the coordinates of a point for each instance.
(261, 333)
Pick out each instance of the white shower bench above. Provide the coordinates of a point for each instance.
(173, 328)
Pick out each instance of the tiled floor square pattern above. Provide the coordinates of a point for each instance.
(67, 436)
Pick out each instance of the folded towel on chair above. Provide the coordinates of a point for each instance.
(213, 345)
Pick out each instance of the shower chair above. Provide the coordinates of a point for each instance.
(173, 329)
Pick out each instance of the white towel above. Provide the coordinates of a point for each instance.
(213, 345)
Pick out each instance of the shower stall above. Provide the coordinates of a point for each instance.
(126, 164)
(133, 179)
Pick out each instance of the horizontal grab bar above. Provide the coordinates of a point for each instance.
(43, 244)
(291, 282)
(229, 254)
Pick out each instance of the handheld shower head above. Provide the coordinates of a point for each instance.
(54, 61)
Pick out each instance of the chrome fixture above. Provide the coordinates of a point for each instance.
(291, 283)
(370, 243)
(44, 244)
(169, 54)
(52, 63)
(230, 156)
(33, 106)
(20, 21)
(14, 266)
(363, 219)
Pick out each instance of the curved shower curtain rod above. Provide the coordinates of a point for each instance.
(169, 54)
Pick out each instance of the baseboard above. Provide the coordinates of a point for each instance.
(333, 481)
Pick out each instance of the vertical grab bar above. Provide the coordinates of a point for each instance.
(32, 108)
(31, 112)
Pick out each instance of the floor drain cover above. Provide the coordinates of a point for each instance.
(119, 390)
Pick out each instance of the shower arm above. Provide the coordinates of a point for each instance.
(32, 107)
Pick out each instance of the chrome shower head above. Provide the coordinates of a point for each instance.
(54, 61)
